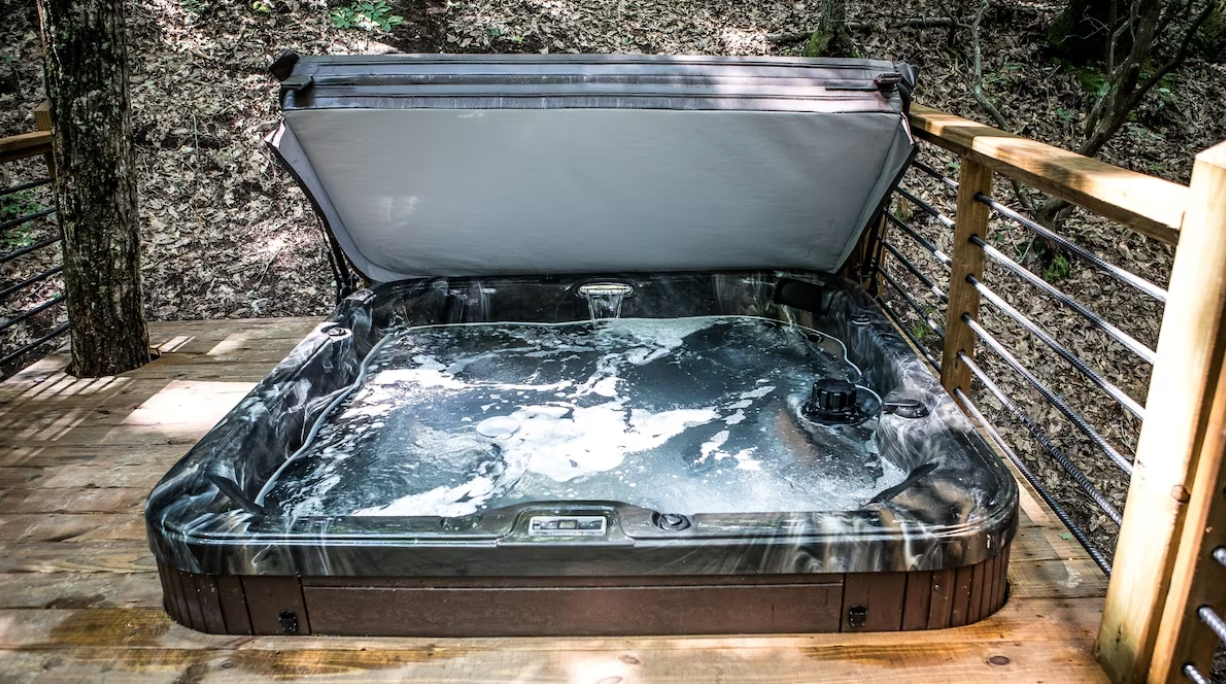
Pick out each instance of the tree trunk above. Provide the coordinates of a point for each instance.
(1111, 111)
(830, 38)
(1081, 33)
(87, 83)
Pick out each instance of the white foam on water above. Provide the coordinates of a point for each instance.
(758, 393)
(745, 461)
(713, 445)
(447, 502)
(565, 443)
(578, 421)
(421, 377)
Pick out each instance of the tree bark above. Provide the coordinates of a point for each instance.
(1082, 32)
(86, 63)
(830, 38)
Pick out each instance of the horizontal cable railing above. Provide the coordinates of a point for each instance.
(13, 223)
(915, 342)
(1061, 405)
(1034, 481)
(31, 346)
(32, 248)
(937, 328)
(1165, 612)
(898, 291)
(1073, 360)
(927, 208)
(1211, 620)
(940, 177)
(1056, 453)
(1136, 282)
(923, 241)
(919, 275)
(1097, 321)
(14, 320)
(28, 290)
(22, 187)
(36, 278)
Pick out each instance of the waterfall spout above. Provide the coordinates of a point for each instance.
(604, 300)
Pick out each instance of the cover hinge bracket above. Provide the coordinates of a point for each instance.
(297, 82)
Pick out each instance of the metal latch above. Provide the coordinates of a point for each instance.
(289, 622)
(857, 616)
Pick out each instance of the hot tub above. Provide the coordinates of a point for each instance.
(683, 439)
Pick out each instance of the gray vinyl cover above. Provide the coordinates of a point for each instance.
(452, 165)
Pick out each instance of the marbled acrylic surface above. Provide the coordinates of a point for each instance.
(421, 428)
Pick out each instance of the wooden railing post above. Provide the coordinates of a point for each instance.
(42, 119)
(1178, 457)
(972, 219)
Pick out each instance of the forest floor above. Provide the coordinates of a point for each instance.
(227, 234)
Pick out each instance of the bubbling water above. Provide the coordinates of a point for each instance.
(683, 415)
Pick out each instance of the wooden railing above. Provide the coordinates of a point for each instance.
(1179, 499)
(26, 145)
(1164, 570)
(17, 284)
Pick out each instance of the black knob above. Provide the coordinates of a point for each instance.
(833, 397)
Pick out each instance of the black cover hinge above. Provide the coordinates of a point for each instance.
(283, 66)
(297, 83)
(887, 81)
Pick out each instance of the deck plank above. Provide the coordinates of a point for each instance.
(80, 601)
(953, 663)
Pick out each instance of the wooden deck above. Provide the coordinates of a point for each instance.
(80, 600)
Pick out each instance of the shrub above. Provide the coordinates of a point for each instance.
(367, 16)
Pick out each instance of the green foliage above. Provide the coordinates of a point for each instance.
(902, 210)
(1094, 82)
(16, 206)
(262, 6)
(1057, 269)
(919, 331)
(818, 44)
(368, 16)
(1065, 115)
(1211, 37)
(195, 6)
(1006, 75)
(1141, 134)
(1164, 96)
(496, 32)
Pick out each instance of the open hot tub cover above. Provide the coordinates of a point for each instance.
(469, 448)
(450, 165)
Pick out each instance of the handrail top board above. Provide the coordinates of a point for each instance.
(25, 145)
(1149, 205)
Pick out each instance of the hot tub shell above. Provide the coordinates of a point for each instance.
(929, 552)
